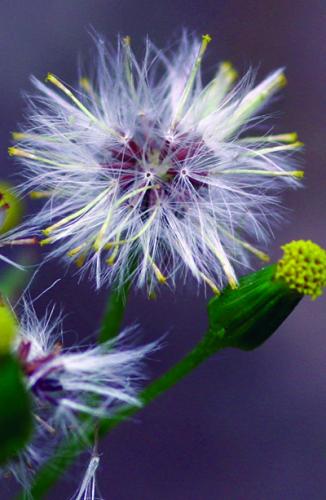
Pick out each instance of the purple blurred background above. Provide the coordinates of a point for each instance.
(245, 426)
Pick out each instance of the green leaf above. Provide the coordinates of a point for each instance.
(15, 409)
(250, 314)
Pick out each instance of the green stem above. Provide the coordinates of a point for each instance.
(195, 357)
(114, 312)
(53, 469)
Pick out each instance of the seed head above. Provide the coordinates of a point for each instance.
(70, 388)
(144, 164)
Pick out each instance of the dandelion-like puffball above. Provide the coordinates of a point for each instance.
(145, 170)
(70, 387)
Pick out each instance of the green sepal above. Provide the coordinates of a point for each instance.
(15, 409)
(247, 316)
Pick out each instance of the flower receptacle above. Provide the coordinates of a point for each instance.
(246, 317)
(249, 315)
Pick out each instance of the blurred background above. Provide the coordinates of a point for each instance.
(245, 426)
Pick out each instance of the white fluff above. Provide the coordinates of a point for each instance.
(67, 384)
(87, 489)
(192, 193)
(95, 380)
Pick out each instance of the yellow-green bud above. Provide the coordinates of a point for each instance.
(11, 209)
(8, 328)
(303, 267)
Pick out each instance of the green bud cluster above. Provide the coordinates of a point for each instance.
(303, 267)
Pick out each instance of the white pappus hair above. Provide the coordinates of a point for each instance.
(144, 164)
(69, 384)
(94, 380)
(87, 488)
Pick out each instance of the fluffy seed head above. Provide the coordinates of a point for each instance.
(68, 385)
(143, 163)
(67, 379)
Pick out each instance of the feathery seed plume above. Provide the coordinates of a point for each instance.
(145, 164)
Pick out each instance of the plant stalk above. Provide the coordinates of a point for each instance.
(113, 314)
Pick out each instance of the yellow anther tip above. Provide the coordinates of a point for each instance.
(110, 261)
(232, 282)
(233, 74)
(50, 77)
(17, 136)
(299, 174)
(46, 241)
(226, 65)
(299, 144)
(73, 252)
(303, 267)
(228, 68)
(80, 261)
(282, 80)
(264, 257)
(127, 40)
(152, 295)
(85, 83)
(13, 151)
(39, 195)
(292, 136)
(207, 38)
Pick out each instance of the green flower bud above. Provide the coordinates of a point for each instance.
(8, 328)
(15, 409)
(244, 318)
(11, 209)
(15, 405)
(303, 267)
